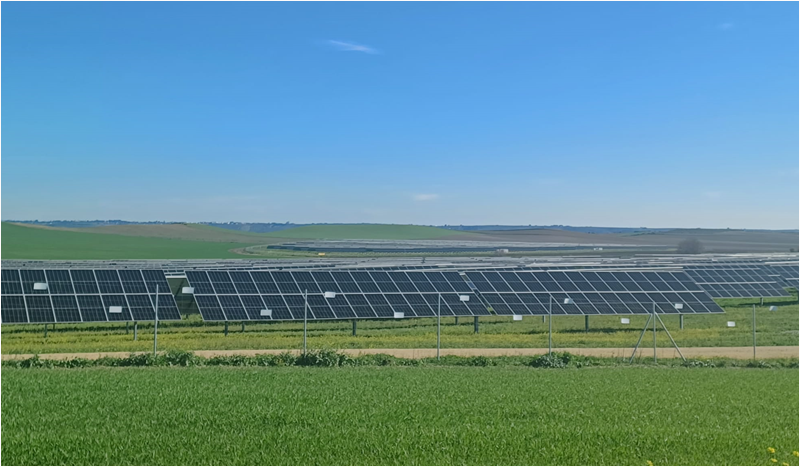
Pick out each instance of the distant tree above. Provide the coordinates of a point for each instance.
(690, 246)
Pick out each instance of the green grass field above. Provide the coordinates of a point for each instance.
(399, 416)
(774, 328)
(178, 241)
(35, 243)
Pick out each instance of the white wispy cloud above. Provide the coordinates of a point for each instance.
(725, 26)
(425, 197)
(352, 47)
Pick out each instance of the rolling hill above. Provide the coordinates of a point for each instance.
(20, 242)
(368, 232)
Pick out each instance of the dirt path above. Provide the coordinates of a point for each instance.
(742, 353)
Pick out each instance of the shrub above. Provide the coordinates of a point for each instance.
(178, 358)
(554, 360)
(324, 358)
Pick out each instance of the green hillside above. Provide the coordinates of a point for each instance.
(367, 232)
(20, 242)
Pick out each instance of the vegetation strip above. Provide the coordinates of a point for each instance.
(739, 353)
(334, 358)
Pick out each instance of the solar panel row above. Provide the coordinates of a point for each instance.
(728, 282)
(591, 292)
(239, 295)
(85, 296)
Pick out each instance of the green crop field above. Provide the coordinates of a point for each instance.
(774, 328)
(185, 241)
(398, 415)
(35, 243)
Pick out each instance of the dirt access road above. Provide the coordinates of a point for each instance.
(742, 353)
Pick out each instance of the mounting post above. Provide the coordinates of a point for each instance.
(225, 331)
(456, 320)
(135, 330)
(681, 319)
(655, 358)
(242, 326)
(762, 300)
(476, 325)
(550, 327)
(754, 330)
(354, 327)
(438, 326)
(586, 319)
(126, 327)
(45, 330)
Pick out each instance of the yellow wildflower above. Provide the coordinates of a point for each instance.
(773, 460)
(785, 463)
(794, 453)
(649, 462)
(771, 450)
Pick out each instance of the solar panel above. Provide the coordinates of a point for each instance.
(380, 294)
(85, 295)
(359, 294)
(595, 292)
(737, 281)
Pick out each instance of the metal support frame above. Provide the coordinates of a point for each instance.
(126, 327)
(354, 327)
(477, 326)
(225, 330)
(456, 320)
(586, 321)
(654, 317)
(681, 319)
(45, 330)
(135, 330)
(242, 326)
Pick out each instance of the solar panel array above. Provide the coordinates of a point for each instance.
(84, 295)
(241, 295)
(789, 273)
(733, 282)
(592, 292)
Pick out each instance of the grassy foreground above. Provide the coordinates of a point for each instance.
(383, 416)
(774, 328)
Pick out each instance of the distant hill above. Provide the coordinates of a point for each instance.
(368, 232)
(21, 242)
(268, 227)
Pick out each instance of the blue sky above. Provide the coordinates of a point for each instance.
(618, 114)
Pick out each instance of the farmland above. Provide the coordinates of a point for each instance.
(184, 241)
(774, 328)
(386, 416)
(38, 243)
